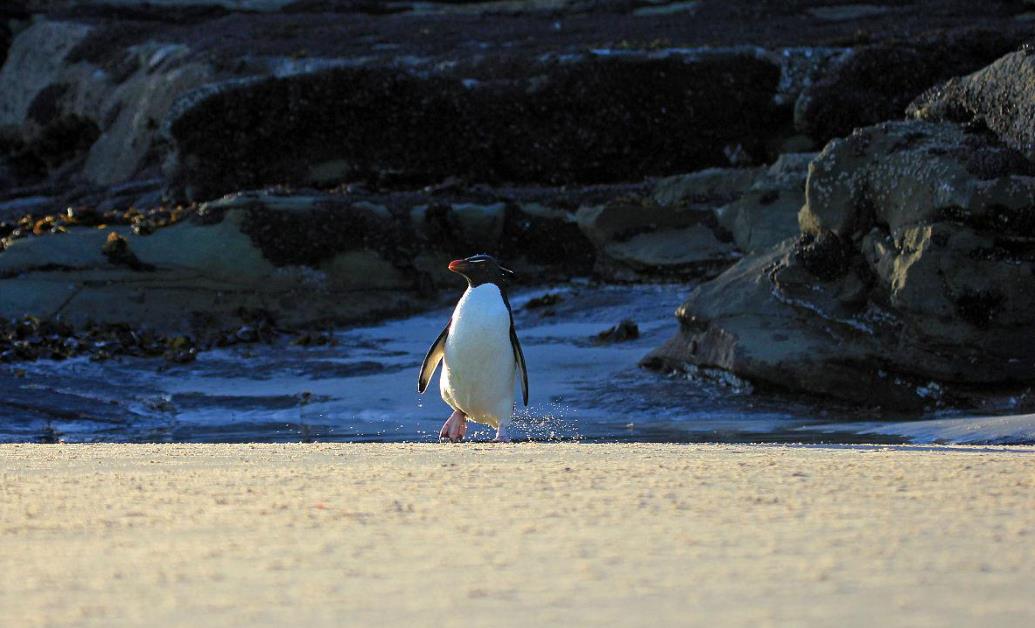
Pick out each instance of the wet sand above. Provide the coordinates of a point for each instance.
(523, 534)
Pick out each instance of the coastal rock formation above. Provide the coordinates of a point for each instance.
(911, 283)
(56, 73)
(876, 82)
(767, 210)
(303, 258)
(37, 61)
(1000, 97)
(657, 88)
(634, 236)
(390, 127)
(328, 139)
(193, 269)
(698, 224)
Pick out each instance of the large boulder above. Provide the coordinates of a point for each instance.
(580, 121)
(36, 61)
(60, 100)
(876, 82)
(912, 281)
(133, 108)
(1000, 97)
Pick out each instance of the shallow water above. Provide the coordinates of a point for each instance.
(364, 388)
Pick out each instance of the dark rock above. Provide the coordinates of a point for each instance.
(458, 227)
(59, 141)
(389, 127)
(744, 322)
(910, 269)
(635, 238)
(767, 210)
(704, 189)
(130, 69)
(31, 338)
(623, 331)
(116, 249)
(537, 235)
(999, 98)
(5, 42)
(314, 339)
(46, 106)
(990, 162)
(311, 233)
(691, 225)
(547, 300)
(310, 258)
(180, 350)
(979, 308)
(246, 333)
(826, 255)
(11, 13)
(877, 82)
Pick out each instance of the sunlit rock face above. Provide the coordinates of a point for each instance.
(999, 97)
(914, 264)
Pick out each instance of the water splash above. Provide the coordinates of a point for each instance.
(551, 425)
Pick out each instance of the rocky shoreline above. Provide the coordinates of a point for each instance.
(849, 187)
(913, 275)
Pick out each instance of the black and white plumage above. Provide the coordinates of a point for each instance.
(479, 351)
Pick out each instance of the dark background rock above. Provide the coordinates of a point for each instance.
(877, 82)
(999, 98)
(5, 41)
(353, 28)
(594, 121)
(136, 61)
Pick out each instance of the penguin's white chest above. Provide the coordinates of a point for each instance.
(478, 367)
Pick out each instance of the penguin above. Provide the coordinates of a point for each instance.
(479, 352)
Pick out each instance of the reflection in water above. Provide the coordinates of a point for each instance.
(364, 388)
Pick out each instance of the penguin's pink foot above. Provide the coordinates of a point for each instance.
(454, 428)
(501, 435)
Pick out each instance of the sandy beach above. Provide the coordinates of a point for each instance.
(523, 534)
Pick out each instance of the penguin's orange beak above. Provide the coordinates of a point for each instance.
(457, 265)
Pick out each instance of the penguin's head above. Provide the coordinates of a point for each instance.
(482, 268)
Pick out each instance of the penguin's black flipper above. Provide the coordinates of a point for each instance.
(434, 356)
(519, 357)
